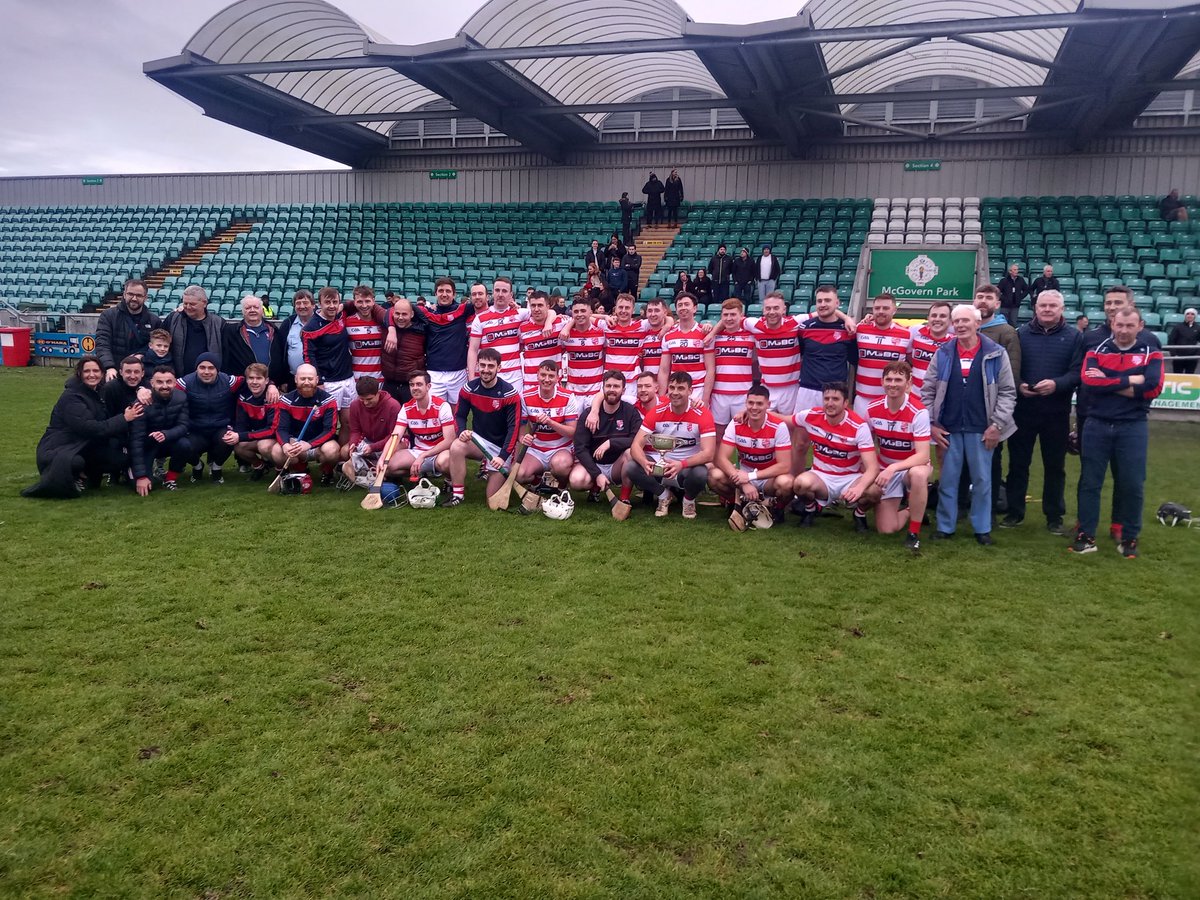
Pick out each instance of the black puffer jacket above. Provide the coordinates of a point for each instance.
(79, 426)
(120, 333)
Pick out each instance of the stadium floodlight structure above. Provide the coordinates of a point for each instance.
(305, 73)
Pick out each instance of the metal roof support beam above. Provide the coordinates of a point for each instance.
(1005, 51)
(854, 120)
(386, 55)
(863, 63)
(983, 123)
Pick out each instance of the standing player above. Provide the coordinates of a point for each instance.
(583, 343)
(683, 349)
(763, 445)
(601, 451)
(685, 465)
(495, 409)
(843, 458)
(499, 328)
(925, 340)
(623, 337)
(776, 339)
(659, 322)
(880, 341)
(327, 348)
(827, 350)
(366, 325)
(540, 341)
(550, 417)
(429, 423)
(733, 366)
(446, 340)
(901, 425)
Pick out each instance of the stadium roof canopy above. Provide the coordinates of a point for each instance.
(550, 75)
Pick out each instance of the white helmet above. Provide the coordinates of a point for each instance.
(424, 495)
(558, 506)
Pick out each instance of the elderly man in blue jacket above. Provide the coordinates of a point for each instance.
(970, 394)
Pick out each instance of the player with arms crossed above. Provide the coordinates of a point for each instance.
(688, 441)
(844, 467)
(901, 426)
(762, 474)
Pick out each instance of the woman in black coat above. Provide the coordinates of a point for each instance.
(702, 287)
(683, 284)
(76, 445)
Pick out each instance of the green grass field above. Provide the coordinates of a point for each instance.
(221, 693)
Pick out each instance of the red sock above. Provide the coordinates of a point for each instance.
(914, 526)
(459, 490)
(327, 468)
(172, 476)
(626, 492)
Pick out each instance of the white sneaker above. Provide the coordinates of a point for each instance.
(664, 504)
(689, 508)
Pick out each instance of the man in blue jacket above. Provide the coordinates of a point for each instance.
(1048, 379)
(210, 397)
(970, 394)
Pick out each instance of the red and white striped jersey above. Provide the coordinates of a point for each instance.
(501, 332)
(898, 433)
(920, 353)
(584, 351)
(836, 449)
(644, 411)
(756, 449)
(366, 345)
(560, 408)
(651, 350)
(876, 348)
(623, 346)
(537, 347)
(687, 350)
(733, 371)
(778, 351)
(425, 425)
(687, 429)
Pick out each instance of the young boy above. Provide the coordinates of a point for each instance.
(159, 351)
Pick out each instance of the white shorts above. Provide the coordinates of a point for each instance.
(760, 484)
(783, 399)
(606, 469)
(807, 398)
(835, 485)
(342, 391)
(894, 489)
(542, 456)
(698, 393)
(447, 384)
(861, 404)
(725, 406)
(583, 404)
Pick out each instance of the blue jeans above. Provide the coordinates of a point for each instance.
(765, 287)
(1104, 443)
(968, 446)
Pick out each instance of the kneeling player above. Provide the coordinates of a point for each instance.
(550, 417)
(295, 444)
(253, 430)
(901, 425)
(843, 458)
(601, 451)
(764, 451)
(429, 422)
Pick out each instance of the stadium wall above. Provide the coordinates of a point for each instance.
(1118, 165)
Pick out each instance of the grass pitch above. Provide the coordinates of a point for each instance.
(221, 693)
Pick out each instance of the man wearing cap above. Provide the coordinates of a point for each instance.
(767, 271)
(1185, 334)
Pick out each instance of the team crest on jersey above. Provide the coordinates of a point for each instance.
(495, 405)
(620, 424)
(1137, 360)
(921, 270)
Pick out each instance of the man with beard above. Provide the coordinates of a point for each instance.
(124, 329)
(320, 439)
(494, 406)
(763, 444)
(161, 432)
(601, 452)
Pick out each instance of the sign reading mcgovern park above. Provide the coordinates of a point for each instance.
(924, 275)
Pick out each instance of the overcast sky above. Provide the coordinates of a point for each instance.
(74, 101)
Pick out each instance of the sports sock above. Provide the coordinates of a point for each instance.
(459, 490)
(327, 468)
(172, 476)
(860, 512)
(914, 526)
(626, 492)
(811, 506)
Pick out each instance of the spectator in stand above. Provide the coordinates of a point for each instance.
(673, 196)
(1171, 207)
(767, 272)
(1081, 323)
(596, 256)
(742, 272)
(594, 286)
(409, 354)
(631, 262)
(76, 449)
(627, 208)
(616, 279)
(653, 189)
(702, 287)
(1044, 282)
(720, 268)
(614, 250)
(287, 350)
(194, 331)
(125, 328)
(683, 283)
(1185, 335)
(248, 341)
(1013, 289)
(1046, 382)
